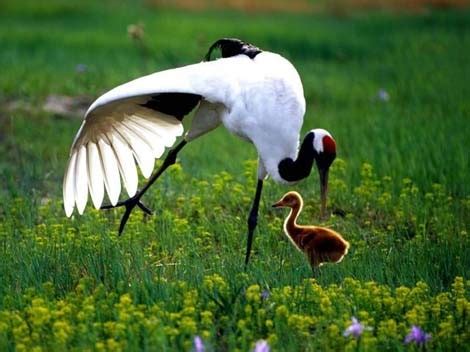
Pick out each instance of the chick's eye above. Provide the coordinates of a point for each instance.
(329, 145)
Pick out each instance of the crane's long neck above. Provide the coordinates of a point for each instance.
(290, 224)
(295, 170)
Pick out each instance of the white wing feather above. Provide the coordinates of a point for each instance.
(118, 129)
(81, 180)
(69, 186)
(110, 171)
(126, 163)
(142, 150)
(95, 175)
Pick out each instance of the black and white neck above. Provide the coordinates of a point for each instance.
(319, 146)
(295, 170)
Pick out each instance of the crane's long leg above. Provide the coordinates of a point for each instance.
(134, 201)
(253, 220)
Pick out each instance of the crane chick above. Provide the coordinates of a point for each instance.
(320, 244)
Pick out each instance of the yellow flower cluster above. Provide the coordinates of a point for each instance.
(170, 277)
(307, 315)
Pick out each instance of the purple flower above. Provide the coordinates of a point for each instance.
(198, 344)
(261, 346)
(383, 95)
(81, 68)
(355, 329)
(265, 295)
(417, 335)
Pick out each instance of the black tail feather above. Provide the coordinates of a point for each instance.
(232, 47)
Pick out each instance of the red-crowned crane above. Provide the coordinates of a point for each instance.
(257, 95)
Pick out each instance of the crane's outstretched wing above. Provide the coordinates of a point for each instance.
(134, 122)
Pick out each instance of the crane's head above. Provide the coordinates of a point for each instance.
(319, 146)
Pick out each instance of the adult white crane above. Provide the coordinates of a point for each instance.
(255, 94)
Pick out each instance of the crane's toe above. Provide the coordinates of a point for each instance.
(129, 204)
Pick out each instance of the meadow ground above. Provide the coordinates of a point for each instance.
(393, 90)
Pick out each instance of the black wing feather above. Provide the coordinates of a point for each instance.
(175, 104)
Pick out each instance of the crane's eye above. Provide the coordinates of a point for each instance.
(329, 145)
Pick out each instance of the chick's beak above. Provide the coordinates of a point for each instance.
(278, 204)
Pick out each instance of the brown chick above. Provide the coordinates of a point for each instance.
(320, 244)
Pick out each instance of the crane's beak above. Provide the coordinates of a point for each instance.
(323, 172)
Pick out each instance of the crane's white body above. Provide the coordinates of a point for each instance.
(260, 100)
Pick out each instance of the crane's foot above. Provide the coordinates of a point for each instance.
(315, 272)
(339, 212)
(129, 204)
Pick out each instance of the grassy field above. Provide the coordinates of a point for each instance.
(401, 181)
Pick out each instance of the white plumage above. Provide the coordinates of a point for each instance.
(253, 98)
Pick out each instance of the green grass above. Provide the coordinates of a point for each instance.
(402, 181)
